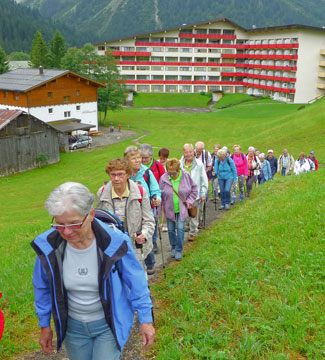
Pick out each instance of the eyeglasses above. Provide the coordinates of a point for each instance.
(70, 226)
(117, 175)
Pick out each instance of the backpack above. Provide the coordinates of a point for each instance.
(109, 217)
(227, 162)
(155, 163)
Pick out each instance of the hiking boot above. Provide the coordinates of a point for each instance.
(150, 270)
(241, 198)
(178, 256)
(191, 238)
(221, 207)
(155, 248)
(227, 207)
(233, 201)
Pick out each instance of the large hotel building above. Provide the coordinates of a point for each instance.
(284, 62)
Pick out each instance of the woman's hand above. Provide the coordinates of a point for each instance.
(140, 239)
(156, 202)
(202, 198)
(188, 206)
(148, 333)
(46, 340)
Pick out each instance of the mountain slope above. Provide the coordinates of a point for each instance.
(109, 19)
(18, 25)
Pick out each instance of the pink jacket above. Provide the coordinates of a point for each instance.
(241, 164)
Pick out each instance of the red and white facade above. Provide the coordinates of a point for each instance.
(284, 62)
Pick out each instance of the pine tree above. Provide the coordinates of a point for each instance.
(4, 67)
(57, 50)
(39, 53)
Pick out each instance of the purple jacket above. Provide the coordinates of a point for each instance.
(187, 191)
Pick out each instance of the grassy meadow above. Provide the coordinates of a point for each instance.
(254, 282)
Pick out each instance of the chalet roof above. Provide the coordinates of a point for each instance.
(68, 125)
(6, 116)
(185, 26)
(23, 80)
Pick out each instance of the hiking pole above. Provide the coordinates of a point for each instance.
(160, 238)
(140, 246)
(204, 211)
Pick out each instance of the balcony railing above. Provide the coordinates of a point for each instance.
(268, 46)
(207, 36)
(260, 56)
(131, 53)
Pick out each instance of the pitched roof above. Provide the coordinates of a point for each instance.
(185, 26)
(23, 80)
(8, 115)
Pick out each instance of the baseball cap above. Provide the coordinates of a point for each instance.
(312, 152)
(270, 151)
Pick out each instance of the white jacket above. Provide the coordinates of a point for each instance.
(199, 176)
(301, 167)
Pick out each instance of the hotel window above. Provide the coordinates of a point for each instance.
(201, 31)
(158, 49)
(200, 69)
(186, 50)
(101, 48)
(171, 68)
(172, 49)
(49, 94)
(143, 68)
(67, 114)
(229, 32)
(185, 69)
(6, 94)
(171, 40)
(66, 99)
(77, 92)
(215, 31)
(127, 67)
(142, 49)
(50, 110)
(78, 107)
(157, 68)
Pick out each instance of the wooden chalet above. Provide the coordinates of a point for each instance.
(26, 142)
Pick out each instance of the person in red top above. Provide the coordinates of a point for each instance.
(313, 159)
(148, 161)
(158, 171)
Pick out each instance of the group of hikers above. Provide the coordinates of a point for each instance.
(92, 277)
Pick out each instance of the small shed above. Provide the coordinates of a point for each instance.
(26, 142)
(66, 129)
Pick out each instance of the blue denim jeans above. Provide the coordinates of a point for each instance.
(283, 172)
(176, 231)
(90, 341)
(150, 259)
(225, 186)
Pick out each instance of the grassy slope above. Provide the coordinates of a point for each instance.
(170, 100)
(233, 99)
(22, 196)
(252, 286)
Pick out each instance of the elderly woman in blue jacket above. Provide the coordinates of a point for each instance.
(265, 171)
(88, 278)
(226, 173)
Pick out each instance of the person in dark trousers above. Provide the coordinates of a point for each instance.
(273, 162)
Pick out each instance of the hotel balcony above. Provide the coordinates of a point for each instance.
(322, 51)
(321, 74)
(321, 86)
(322, 63)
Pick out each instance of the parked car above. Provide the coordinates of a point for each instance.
(80, 142)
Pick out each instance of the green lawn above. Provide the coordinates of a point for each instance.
(234, 99)
(23, 215)
(252, 285)
(170, 100)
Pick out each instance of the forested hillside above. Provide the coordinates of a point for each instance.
(110, 19)
(82, 21)
(18, 25)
